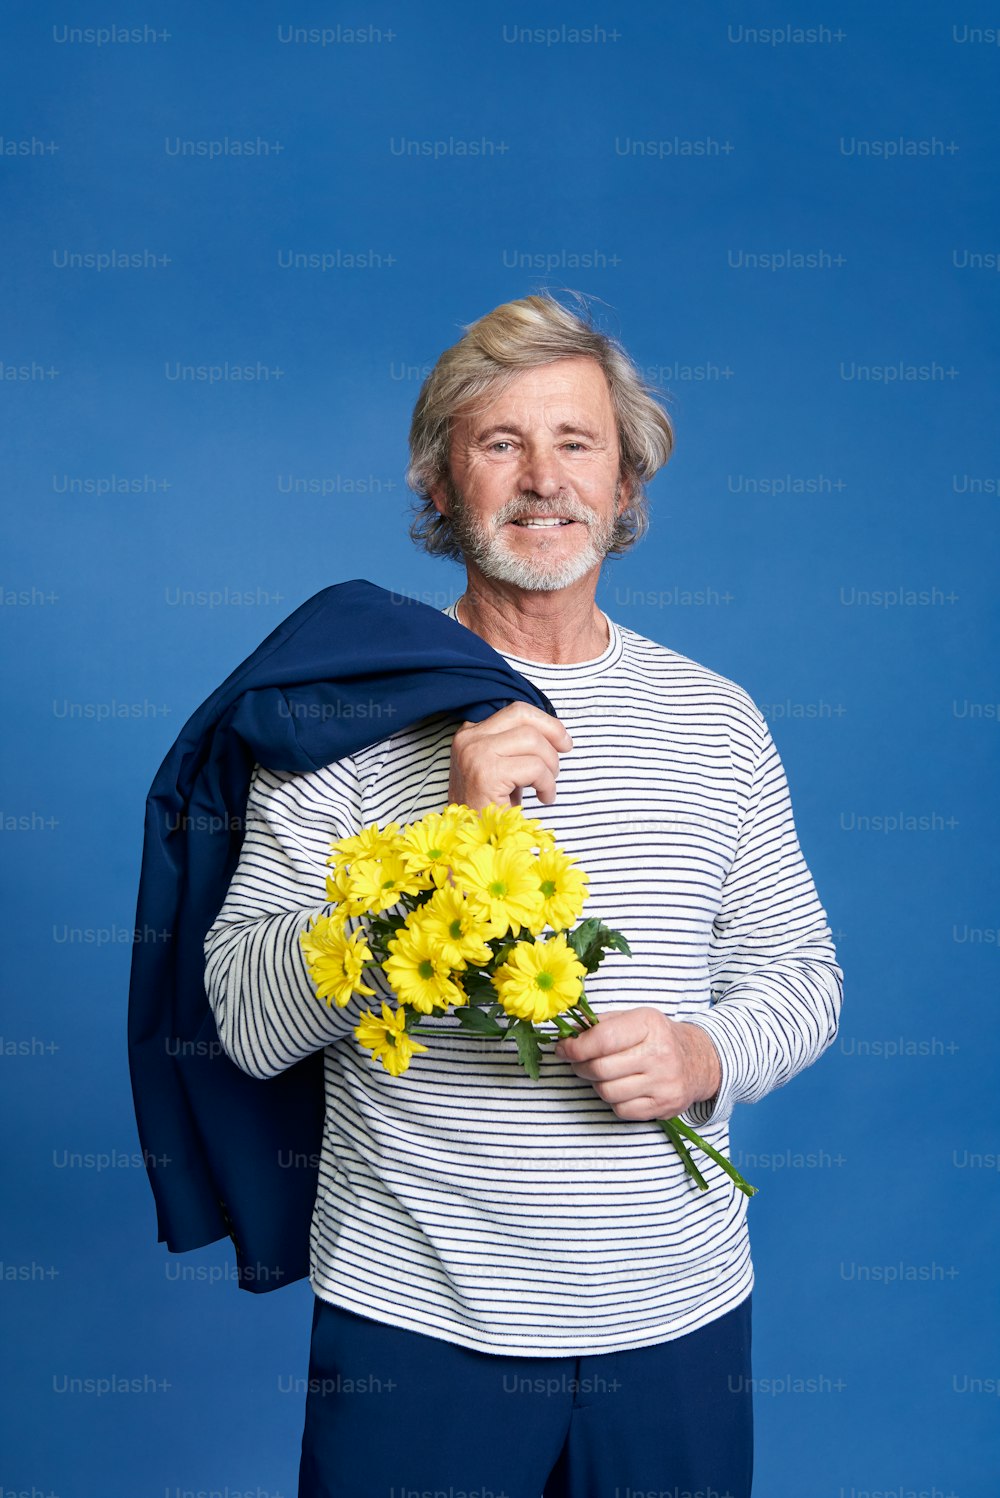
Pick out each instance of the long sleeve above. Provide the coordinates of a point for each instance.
(776, 985)
(265, 1007)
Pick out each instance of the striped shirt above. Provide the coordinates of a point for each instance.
(464, 1200)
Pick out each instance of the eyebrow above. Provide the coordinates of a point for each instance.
(565, 428)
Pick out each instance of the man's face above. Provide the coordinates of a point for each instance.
(534, 492)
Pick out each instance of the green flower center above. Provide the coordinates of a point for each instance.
(455, 930)
(544, 980)
(498, 889)
(426, 968)
(433, 852)
(548, 888)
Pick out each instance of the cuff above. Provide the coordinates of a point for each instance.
(718, 1109)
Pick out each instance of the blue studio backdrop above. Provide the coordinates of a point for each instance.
(236, 238)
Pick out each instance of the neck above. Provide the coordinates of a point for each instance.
(555, 628)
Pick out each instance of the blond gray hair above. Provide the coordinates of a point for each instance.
(512, 338)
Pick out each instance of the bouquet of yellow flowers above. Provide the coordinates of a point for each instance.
(454, 909)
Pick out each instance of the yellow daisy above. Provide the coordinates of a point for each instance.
(336, 961)
(540, 979)
(338, 889)
(460, 815)
(427, 845)
(419, 973)
(563, 887)
(387, 1040)
(377, 884)
(453, 927)
(370, 842)
(502, 887)
(504, 827)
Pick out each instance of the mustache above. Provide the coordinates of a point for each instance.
(525, 507)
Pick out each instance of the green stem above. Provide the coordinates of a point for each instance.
(713, 1154)
(585, 1007)
(583, 1020)
(667, 1125)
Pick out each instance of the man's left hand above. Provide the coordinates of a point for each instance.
(645, 1064)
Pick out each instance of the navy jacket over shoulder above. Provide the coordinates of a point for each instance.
(227, 1153)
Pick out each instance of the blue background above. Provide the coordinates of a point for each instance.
(137, 496)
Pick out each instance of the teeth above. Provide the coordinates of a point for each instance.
(555, 521)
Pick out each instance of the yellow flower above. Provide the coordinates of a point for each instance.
(368, 872)
(336, 961)
(427, 845)
(418, 971)
(504, 827)
(387, 1039)
(564, 890)
(502, 887)
(370, 842)
(453, 927)
(539, 979)
(338, 890)
(377, 884)
(457, 814)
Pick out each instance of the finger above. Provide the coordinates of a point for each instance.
(483, 778)
(629, 1063)
(636, 1087)
(514, 738)
(616, 1032)
(509, 776)
(643, 1108)
(554, 730)
(527, 742)
(632, 1098)
(484, 759)
(528, 770)
(524, 713)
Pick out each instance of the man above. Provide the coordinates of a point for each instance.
(518, 1287)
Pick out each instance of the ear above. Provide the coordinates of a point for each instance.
(438, 493)
(625, 490)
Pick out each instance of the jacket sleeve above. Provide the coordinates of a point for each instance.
(266, 1010)
(776, 985)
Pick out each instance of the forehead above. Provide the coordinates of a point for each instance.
(547, 394)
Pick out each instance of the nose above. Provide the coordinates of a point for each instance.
(540, 473)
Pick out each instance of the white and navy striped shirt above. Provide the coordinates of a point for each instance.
(464, 1200)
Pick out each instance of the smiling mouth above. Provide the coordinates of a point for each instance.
(550, 522)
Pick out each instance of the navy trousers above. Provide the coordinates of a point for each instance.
(396, 1414)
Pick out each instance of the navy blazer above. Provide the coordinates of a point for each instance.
(225, 1152)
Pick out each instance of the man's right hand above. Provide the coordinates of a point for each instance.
(494, 760)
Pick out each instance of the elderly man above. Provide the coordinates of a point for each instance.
(518, 1288)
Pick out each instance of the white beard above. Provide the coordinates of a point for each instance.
(489, 547)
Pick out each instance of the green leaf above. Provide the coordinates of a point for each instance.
(478, 1022)
(528, 1050)
(592, 939)
(478, 985)
(580, 938)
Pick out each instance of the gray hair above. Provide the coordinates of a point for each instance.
(493, 352)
